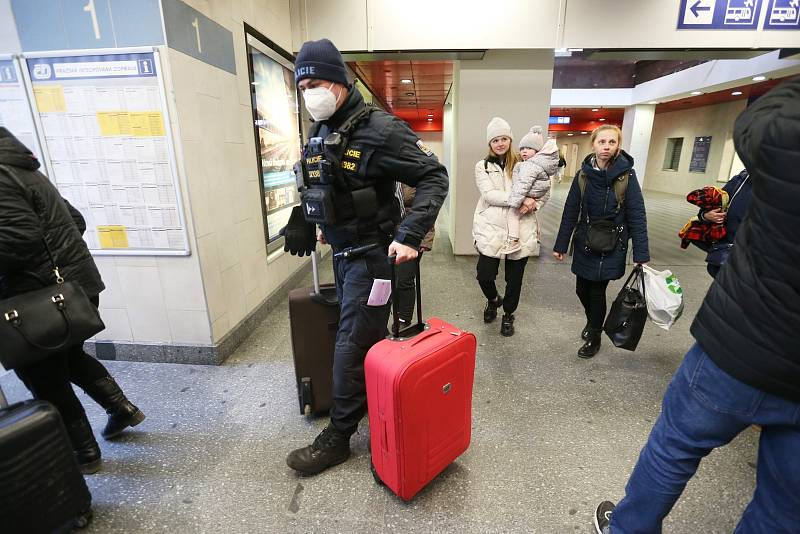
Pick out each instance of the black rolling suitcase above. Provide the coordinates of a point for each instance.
(314, 320)
(41, 486)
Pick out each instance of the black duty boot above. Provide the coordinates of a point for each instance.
(585, 332)
(330, 448)
(490, 311)
(121, 413)
(592, 345)
(85, 447)
(507, 325)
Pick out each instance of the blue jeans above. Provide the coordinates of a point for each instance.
(360, 327)
(704, 408)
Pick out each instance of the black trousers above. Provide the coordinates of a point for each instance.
(51, 379)
(360, 327)
(487, 273)
(593, 297)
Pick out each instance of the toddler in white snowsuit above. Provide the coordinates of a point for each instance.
(531, 179)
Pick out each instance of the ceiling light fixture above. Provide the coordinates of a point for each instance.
(695, 93)
(601, 119)
(759, 78)
(736, 93)
(595, 109)
(570, 134)
(405, 80)
(409, 94)
(584, 133)
(430, 120)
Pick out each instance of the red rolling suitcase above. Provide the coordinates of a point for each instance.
(314, 321)
(419, 394)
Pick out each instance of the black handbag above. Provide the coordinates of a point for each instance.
(625, 321)
(603, 235)
(37, 324)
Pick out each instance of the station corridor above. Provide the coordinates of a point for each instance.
(552, 434)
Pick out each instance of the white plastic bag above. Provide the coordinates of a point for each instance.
(664, 297)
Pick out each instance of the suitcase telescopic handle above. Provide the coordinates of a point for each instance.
(420, 326)
(315, 271)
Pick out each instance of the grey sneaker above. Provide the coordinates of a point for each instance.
(602, 517)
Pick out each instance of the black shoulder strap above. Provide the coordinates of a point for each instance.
(485, 165)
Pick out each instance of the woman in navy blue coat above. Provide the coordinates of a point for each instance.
(606, 164)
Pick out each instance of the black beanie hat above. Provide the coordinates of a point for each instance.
(320, 59)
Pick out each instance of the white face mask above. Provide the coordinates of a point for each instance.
(320, 102)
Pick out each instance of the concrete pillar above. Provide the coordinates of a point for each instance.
(512, 84)
(637, 126)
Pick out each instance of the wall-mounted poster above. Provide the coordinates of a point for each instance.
(105, 134)
(15, 110)
(277, 132)
(699, 160)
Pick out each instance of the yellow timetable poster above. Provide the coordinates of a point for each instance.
(50, 99)
(105, 131)
(112, 236)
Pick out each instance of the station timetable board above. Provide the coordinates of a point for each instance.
(105, 133)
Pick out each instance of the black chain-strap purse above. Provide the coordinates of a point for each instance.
(37, 324)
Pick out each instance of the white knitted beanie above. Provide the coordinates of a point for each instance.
(533, 139)
(496, 128)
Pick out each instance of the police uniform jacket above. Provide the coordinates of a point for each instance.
(383, 149)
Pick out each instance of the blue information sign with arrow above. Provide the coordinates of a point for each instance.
(719, 14)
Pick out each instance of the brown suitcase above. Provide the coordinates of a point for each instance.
(314, 320)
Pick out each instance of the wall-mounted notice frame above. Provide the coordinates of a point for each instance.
(103, 121)
(699, 160)
(15, 110)
(276, 123)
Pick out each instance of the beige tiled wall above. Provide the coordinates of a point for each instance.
(200, 298)
(217, 140)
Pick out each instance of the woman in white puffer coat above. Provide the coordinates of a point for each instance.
(493, 176)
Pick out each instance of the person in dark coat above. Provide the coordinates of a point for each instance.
(740, 193)
(25, 266)
(744, 368)
(602, 168)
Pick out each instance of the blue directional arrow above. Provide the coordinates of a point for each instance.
(697, 7)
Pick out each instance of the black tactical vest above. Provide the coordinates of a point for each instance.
(351, 206)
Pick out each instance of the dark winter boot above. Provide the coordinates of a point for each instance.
(507, 325)
(490, 311)
(121, 413)
(585, 332)
(592, 345)
(85, 447)
(330, 448)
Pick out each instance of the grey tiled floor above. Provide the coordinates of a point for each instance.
(552, 434)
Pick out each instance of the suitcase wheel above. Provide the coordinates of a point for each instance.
(307, 409)
(83, 520)
(375, 474)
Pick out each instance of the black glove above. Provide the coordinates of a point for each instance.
(300, 236)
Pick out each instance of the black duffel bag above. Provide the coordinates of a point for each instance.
(625, 322)
(39, 323)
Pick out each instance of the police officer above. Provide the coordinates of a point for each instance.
(347, 182)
